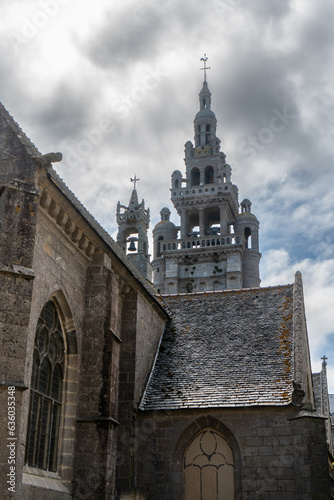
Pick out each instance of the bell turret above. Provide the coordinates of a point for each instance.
(133, 223)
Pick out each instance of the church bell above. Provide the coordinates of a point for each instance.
(132, 246)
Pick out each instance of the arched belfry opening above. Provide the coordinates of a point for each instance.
(208, 175)
(208, 467)
(248, 237)
(195, 177)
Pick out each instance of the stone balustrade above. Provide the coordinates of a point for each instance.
(204, 242)
(195, 190)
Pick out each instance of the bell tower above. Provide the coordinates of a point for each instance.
(216, 245)
(133, 223)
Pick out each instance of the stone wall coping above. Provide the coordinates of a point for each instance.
(16, 270)
(96, 419)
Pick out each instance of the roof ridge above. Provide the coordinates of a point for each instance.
(231, 290)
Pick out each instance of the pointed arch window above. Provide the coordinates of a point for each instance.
(46, 391)
(209, 467)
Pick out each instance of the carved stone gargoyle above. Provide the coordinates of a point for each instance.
(45, 161)
(298, 394)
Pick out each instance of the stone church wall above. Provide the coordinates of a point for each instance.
(277, 455)
(60, 273)
(107, 316)
(142, 326)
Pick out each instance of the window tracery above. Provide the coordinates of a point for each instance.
(209, 467)
(46, 391)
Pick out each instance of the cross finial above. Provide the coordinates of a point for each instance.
(134, 180)
(324, 364)
(204, 59)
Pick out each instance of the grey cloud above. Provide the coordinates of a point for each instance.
(126, 36)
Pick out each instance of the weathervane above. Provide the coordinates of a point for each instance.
(134, 180)
(204, 59)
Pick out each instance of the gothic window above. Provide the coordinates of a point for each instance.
(208, 175)
(46, 391)
(209, 467)
(195, 177)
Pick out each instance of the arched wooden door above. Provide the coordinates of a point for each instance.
(209, 468)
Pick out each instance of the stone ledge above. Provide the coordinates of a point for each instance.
(93, 420)
(43, 479)
(19, 386)
(16, 270)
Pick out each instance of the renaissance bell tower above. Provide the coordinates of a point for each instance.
(216, 246)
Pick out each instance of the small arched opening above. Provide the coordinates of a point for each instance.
(195, 177)
(248, 237)
(208, 175)
(158, 250)
(207, 133)
(217, 285)
(198, 136)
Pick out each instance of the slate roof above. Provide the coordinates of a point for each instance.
(225, 349)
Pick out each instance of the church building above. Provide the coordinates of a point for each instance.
(123, 378)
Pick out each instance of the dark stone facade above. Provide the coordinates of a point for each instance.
(277, 454)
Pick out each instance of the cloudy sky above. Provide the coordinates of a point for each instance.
(114, 86)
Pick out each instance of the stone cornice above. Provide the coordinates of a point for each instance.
(68, 221)
(17, 271)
